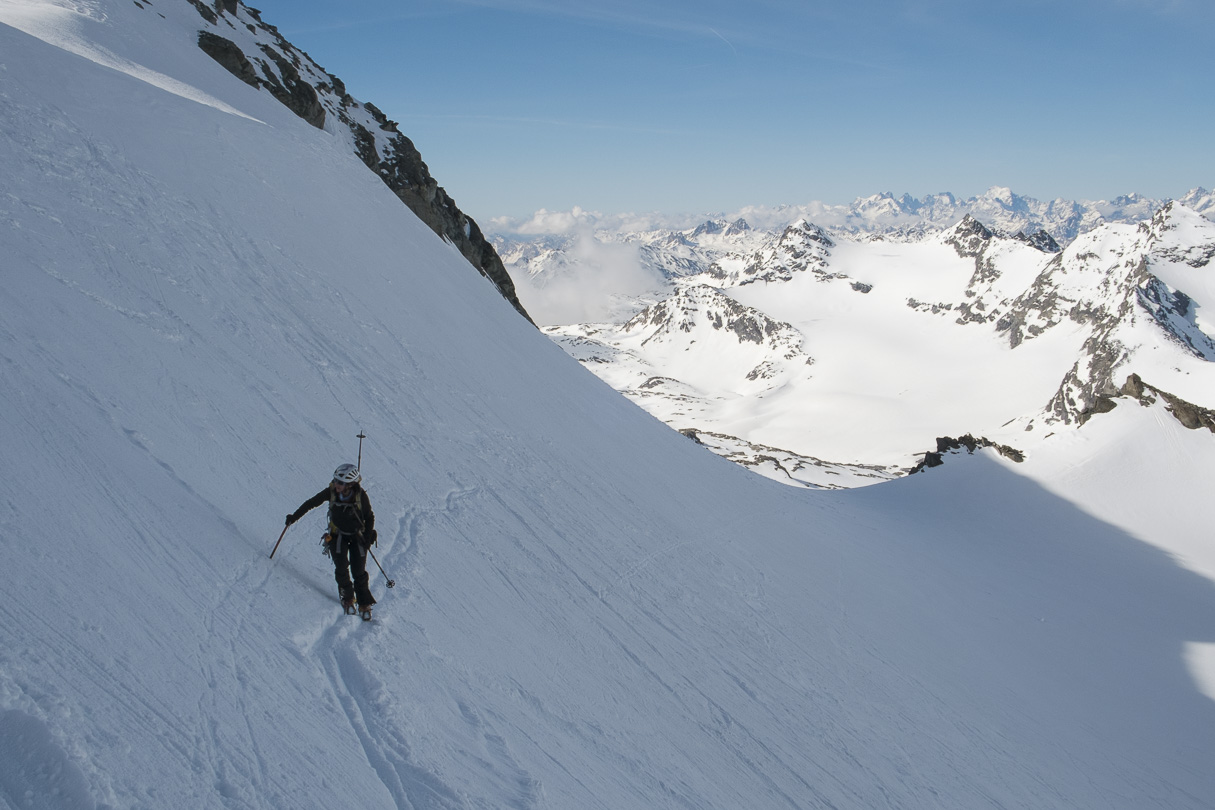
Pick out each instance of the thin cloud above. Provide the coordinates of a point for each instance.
(723, 39)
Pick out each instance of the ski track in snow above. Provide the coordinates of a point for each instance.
(371, 709)
(360, 695)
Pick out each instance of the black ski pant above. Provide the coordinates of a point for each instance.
(350, 558)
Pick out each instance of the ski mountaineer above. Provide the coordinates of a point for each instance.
(351, 532)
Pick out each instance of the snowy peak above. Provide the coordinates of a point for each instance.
(1098, 276)
(1130, 289)
(1178, 234)
(1003, 200)
(801, 248)
(721, 227)
(969, 237)
(1178, 287)
(1201, 201)
(686, 315)
(733, 349)
(885, 206)
(276, 65)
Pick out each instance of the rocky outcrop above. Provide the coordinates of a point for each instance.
(255, 52)
(789, 467)
(229, 55)
(400, 166)
(284, 83)
(1192, 416)
(1041, 240)
(947, 444)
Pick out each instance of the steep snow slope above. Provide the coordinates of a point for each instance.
(201, 309)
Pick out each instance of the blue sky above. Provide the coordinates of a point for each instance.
(691, 107)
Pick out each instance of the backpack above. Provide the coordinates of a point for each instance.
(346, 517)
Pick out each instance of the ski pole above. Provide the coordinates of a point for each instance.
(391, 582)
(280, 539)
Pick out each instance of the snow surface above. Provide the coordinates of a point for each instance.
(202, 309)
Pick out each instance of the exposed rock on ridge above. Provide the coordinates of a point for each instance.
(788, 467)
(258, 55)
(948, 444)
(1187, 413)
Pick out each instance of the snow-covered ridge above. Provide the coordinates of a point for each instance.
(254, 51)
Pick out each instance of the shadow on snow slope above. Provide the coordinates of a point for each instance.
(964, 639)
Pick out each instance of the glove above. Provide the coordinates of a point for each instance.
(375, 537)
(290, 519)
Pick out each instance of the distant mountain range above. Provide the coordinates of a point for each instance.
(585, 266)
(831, 357)
(879, 214)
(1000, 209)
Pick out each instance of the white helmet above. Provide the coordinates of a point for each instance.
(346, 474)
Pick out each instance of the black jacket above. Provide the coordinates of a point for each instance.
(356, 519)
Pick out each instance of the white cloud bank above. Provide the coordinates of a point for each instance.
(593, 283)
